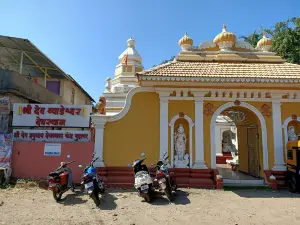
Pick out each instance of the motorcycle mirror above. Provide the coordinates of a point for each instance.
(80, 166)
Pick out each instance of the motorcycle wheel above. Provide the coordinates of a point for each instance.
(292, 186)
(95, 198)
(147, 198)
(169, 194)
(57, 195)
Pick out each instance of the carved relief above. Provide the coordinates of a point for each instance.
(237, 102)
(266, 110)
(181, 114)
(294, 117)
(102, 105)
(208, 109)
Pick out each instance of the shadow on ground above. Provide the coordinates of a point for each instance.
(107, 202)
(180, 198)
(261, 192)
(73, 199)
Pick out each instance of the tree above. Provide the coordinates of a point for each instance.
(253, 38)
(286, 39)
(165, 61)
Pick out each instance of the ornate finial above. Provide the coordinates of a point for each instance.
(185, 33)
(130, 43)
(224, 28)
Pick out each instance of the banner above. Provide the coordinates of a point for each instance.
(5, 150)
(5, 105)
(51, 135)
(52, 115)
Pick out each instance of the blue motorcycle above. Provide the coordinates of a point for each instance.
(92, 183)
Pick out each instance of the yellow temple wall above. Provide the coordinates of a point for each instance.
(136, 132)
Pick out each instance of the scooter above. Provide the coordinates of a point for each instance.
(166, 181)
(58, 181)
(142, 180)
(92, 183)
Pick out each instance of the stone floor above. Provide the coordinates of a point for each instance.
(227, 173)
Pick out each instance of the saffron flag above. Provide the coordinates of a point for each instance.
(125, 59)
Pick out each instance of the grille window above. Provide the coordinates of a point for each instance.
(290, 155)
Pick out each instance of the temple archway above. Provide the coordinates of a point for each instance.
(253, 126)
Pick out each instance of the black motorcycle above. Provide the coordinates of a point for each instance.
(91, 182)
(142, 180)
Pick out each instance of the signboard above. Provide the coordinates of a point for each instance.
(5, 150)
(43, 115)
(51, 135)
(4, 105)
(52, 149)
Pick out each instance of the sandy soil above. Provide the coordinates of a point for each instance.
(191, 206)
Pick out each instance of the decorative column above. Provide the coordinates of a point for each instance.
(99, 136)
(199, 136)
(163, 124)
(277, 135)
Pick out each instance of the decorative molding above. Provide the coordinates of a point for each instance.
(294, 117)
(208, 109)
(191, 124)
(263, 129)
(237, 102)
(266, 110)
(220, 79)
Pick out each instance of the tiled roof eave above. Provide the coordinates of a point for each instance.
(220, 79)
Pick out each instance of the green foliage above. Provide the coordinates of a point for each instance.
(286, 39)
(253, 38)
(285, 36)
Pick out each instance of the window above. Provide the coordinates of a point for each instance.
(73, 96)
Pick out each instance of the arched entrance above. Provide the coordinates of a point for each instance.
(251, 136)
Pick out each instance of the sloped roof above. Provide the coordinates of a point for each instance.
(224, 70)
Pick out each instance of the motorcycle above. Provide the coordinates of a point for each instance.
(58, 181)
(142, 180)
(166, 181)
(91, 182)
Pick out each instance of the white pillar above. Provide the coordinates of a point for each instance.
(199, 136)
(277, 136)
(98, 148)
(164, 126)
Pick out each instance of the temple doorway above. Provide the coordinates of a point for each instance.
(238, 146)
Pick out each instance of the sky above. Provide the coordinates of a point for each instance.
(85, 38)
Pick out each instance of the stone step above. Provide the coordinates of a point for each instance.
(250, 183)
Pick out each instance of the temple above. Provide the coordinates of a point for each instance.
(222, 110)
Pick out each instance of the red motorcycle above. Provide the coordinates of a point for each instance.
(58, 181)
(166, 181)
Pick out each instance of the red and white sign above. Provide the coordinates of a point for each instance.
(51, 135)
(4, 105)
(43, 115)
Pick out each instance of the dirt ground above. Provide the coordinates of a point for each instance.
(191, 206)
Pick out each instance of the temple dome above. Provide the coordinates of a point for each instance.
(265, 44)
(131, 52)
(225, 40)
(185, 42)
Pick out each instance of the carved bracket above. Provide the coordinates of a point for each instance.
(266, 110)
(208, 109)
(294, 117)
(181, 114)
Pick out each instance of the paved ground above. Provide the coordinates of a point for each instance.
(191, 206)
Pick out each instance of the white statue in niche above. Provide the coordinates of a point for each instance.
(181, 160)
(227, 145)
(292, 136)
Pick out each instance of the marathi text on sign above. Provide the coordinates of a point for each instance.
(52, 115)
(51, 135)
